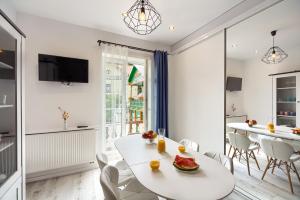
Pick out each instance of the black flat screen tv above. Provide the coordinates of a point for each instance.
(233, 84)
(63, 69)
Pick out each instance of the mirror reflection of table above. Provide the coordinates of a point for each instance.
(281, 132)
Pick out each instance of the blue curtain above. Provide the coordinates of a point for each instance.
(161, 69)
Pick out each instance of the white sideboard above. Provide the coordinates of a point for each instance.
(234, 118)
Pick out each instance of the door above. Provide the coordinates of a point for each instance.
(10, 106)
(125, 96)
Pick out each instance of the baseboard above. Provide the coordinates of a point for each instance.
(42, 175)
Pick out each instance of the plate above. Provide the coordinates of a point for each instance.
(185, 169)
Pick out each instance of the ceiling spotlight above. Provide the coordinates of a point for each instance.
(124, 14)
(171, 27)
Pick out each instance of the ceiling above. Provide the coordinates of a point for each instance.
(187, 16)
(251, 38)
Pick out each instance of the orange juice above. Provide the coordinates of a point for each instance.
(181, 149)
(154, 164)
(161, 145)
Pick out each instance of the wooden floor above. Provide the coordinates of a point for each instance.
(86, 186)
(274, 186)
(81, 186)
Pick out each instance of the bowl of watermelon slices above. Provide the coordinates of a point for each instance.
(185, 164)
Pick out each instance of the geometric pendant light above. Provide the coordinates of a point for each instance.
(142, 18)
(275, 54)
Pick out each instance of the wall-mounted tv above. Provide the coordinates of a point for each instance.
(233, 84)
(63, 69)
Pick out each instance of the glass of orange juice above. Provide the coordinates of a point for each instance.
(161, 144)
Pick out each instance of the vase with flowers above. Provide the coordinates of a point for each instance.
(65, 116)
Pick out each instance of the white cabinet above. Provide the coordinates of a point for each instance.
(286, 99)
(234, 119)
(11, 104)
(15, 192)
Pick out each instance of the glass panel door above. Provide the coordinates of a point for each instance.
(286, 101)
(136, 96)
(125, 98)
(8, 106)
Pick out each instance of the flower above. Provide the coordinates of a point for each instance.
(65, 114)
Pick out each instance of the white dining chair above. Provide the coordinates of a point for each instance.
(190, 144)
(133, 191)
(125, 174)
(243, 146)
(221, 158)
(282, 152)
(227, 140)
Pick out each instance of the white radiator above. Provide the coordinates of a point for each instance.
(48, 151)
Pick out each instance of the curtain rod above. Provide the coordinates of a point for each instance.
(122, 45)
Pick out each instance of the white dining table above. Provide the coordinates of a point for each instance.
(211, 181)
(280, 132)
(283, 133)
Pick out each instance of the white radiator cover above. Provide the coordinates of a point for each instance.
(49, 151)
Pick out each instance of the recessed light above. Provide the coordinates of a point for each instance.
(124, 14)
(171, 27)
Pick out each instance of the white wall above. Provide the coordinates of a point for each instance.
(83, 101)
(258, 85)
(197, 94)
(235, 68)
(7, 7)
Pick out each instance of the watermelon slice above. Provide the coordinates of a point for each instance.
(185, 163)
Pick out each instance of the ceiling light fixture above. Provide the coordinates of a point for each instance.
(142, 18)
(275, 54)
(172, 28)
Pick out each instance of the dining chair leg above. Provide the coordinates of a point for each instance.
(247, 158)
(229, 150)
(275, 161)
(241, 151)
(289, 177)
(296, 171)
(234, 152)
(269, 163)
(255, 159)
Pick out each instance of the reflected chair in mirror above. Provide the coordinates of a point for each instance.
(243, 146)
(221, 158)
(280, 153)
(133, 191)
(190, 144)
(227, 141)
(125, 174)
